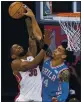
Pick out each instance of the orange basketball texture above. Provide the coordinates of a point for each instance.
(16, 10)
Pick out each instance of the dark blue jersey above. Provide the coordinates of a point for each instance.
(51, 84)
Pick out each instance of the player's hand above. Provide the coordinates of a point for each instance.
(54, 99)
(29, 12)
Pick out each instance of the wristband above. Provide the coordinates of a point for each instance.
(49, 52)
(45, 47)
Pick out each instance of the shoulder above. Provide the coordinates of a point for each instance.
(65, 72)
(64, 75)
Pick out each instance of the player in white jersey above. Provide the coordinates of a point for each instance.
(30, 83)
(29, 77)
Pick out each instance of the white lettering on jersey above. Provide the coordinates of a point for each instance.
(49, 74)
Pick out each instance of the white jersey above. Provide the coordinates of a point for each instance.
(30, 84)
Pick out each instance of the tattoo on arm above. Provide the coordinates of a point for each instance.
(64, 75)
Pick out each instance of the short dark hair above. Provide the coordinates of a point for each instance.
(64, 44)
(70, 54)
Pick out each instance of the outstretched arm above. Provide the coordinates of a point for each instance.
(32, 50)
(37, 32)
(18, 65)
(36, 29)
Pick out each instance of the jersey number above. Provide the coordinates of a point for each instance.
(33, 72)
(45, 82)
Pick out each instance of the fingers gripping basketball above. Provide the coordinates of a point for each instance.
(16, 10)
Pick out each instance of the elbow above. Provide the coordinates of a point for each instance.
(63, 97)
(65, 91)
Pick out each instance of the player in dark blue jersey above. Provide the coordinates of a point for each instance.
(55, 76)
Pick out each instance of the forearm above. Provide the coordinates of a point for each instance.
(29, 27)
(32, 41)
(18, 65)
(36, 28)
(65, 92)
(35, 62)
(32, 47)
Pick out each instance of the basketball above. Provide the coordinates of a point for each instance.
(16, 10)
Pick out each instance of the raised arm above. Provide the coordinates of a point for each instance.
(32, 41)
(37, 32)
(36, 29)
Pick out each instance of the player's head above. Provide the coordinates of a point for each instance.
(63, 54)
(60, 52)
(16, 51)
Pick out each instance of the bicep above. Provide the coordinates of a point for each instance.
(18, 65)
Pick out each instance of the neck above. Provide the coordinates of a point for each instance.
(57, 62)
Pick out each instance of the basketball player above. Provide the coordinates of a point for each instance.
(55, 75)
(29, 80)
(28, 75)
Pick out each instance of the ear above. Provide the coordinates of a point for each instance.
(64, 56)
(13, 56)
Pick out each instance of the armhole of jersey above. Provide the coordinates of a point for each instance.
(18, 77)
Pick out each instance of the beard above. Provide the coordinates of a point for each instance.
(22, 54)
